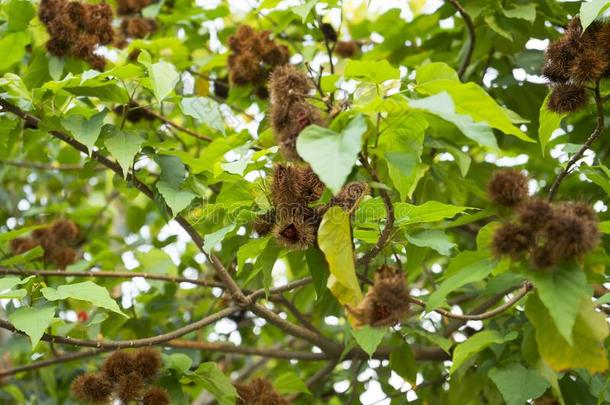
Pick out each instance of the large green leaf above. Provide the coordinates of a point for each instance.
(432, 238)
(163, 77)
(549, 122)
(85, 130)
(177, 199)
(589, 332)
(205, 110)
(517, 383)
(442, 105)
(368, 338)
(33, 321)
(86, 291)
(371, 71)
(402, 362)
(123, 146)
(211, 378)
(332, 154)
(430, 211)
(290, 382)
(472, 267)
(589, 11)
(334, 239)
(19, 13)
(476, 344)
(12, 48)
(561, 291)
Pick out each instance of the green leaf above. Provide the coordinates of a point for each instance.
(549, 122)
(430, 211)
(589, 332)
(472, 266)
(123, 146)
(19, 13)
(265, 262)
(525, 12)
(12, 48)
(371, 71)
(180, 362)
(402, 361)
(604, 227)
(304, 9)
(25, 257)
(476, 344)
(85, 130)
(589, 11)
(211, 378)
(86, 291)
(518, 384)
(331, 154)
(8, 283)
(561, 291)
(335, 240)
(250, 250)
(212, 239)
(6, 236)
(442, 106)
(156, 261)
(290, 382)
(33, 321)
(435, 239)
(368, 338)
(163, 77)
(175, 198)
(205, 110)
(435, 71)
(318, 269)
(173, 170)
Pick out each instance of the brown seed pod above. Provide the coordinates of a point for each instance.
(346, 49)
(543, 258)
(92, 388)
(45, 237)
(570, 235)
(155, 396)
(507, 187)
(125, 7)
(350, 195)
(578, 208)
(567, 98)
(264, 223)
(259, 392)
(147, 363)
(63, 256)
(119, 364)
(129, 388)
(512, 240)
(137, 27)
(295, 232)
(22, 245)
(294, 185)
(535, 213)
(386, 303)
(65, 231)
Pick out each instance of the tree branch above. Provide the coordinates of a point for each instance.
(471, 34)
(599, 128)
(51, 362)
(42, 166)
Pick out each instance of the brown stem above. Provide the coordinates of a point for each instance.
(599, 128)
(471, 34)
(51, 362)
(42, 166)
(177, 126)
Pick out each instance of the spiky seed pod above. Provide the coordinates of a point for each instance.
(588, 66)
(263, 224)
(559, 57)
(92, 388)
(512, 240)
(99, 22)
(49, 9)
(129, 388)
(259, 391)
(137, 27)
(147, 363)
(567, 98)
(155, 396)
(535, 213)
(118, 364)
(293, 186)
(507, 187)
(571, 236)
(288, 84)
(65, 231)
(63, 256)
(543, 258)
(242, 39)
(580, 209)
(350, 195)
(126, 7)
(22, 245)
(329, 32)
(270, 52)
(244, 68)
(300, 116)
(346, 49)
(386, 303)
(309, 186)
(45, 237)
(295, 232)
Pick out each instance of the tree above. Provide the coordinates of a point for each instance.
(322, 202)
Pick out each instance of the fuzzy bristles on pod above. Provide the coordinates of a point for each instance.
(350, 195)
(155, 396)
(543, 258)
(567, 98)
(300, 116)
(263, 224)
(129, 388)
(386, 303)
(92, 388)
(589, 66)
(147, 363)
(296, 231)
(346, 49)
(570, 235)
(512, 240)
(259, 391)
(22, 245)
(63, 256)
(137, 27)
(66, 231)
(126, 7)
(507, 187)
(118, 364)
(534, 213)
(294, 185)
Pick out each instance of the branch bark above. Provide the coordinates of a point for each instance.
(471, 36)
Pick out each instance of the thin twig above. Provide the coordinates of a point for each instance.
(599, 128)
(42, 166)
(471, 34)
